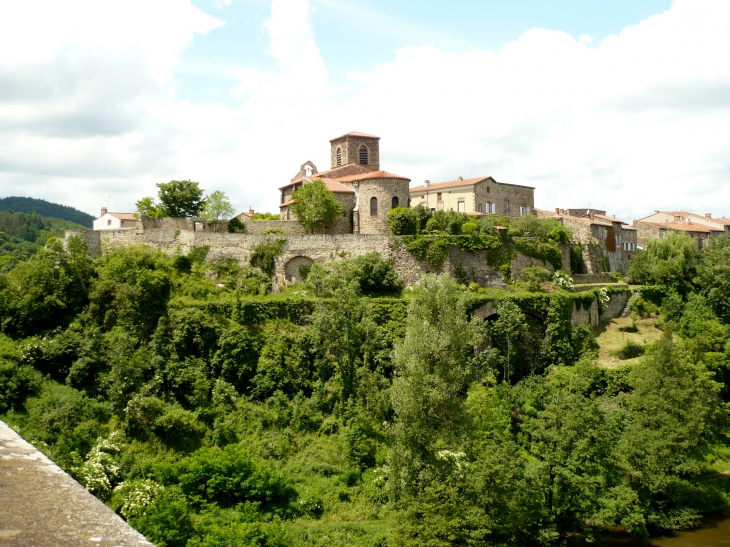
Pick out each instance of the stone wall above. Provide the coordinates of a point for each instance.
(383, 190)
(257, 227)
(582, 279)
(616, 305)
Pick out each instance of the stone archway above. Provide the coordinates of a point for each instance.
(292, 272)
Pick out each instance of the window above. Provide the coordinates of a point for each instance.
(308, 171)
(460, 206)
(506, 207)
(394, 202)
(287, 213)
(491, 208)
(339, 156)
(373, 207)
(479, 208)
(524, 210)
(363, 155)
(109, 222)
(487, 189)
(438, 196)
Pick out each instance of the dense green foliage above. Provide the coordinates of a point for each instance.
(178, 198)
(217, 208)
(46, 209)
(315, 206)
(265, 216)
(208, 413)
(22, 234)
(534, 237)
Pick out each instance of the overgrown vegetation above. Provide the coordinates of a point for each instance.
(350, 412)
(428, 236)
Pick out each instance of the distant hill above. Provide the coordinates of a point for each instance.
(46, 209)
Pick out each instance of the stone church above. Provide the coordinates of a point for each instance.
(366, 192)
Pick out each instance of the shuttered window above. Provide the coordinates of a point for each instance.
(363, 155)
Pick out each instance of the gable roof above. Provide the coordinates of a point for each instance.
(608, 218)
(681, 227)
(450, 184)
(334, 173)
(354, 134)
(122, 216)
(371, 175)
(334, 186)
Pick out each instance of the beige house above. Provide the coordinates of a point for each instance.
(717, 226)
(700, 233)
(114, 221)
(480, 195)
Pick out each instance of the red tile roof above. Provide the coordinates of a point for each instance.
(702, 228)
(354, 134)
(450, 184)
(371, 175)
(287, 203)
(610, 219)
(123, 216)
(346, 169)
(334, 186)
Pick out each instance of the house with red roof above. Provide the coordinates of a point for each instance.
(478, 195)
(114, 221)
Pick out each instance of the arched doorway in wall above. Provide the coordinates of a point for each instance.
(296, 268)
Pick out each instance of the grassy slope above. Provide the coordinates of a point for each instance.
(610, 338)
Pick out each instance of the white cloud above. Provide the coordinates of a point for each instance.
(636, 122)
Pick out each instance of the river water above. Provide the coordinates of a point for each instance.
(714, 532)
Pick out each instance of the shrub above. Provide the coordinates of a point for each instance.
(460, 274)
(17, 383)
(469, 228)
(235, 226)
(402, 221)
(264, 255)
(229, 476)
(265, 216)
(642, 307)
(375, 275)
(630, 350)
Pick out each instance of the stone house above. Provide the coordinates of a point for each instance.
(715, 226)
(700, 233)
(365, 191)
(114, 221)
(480, 195)
(605, 241)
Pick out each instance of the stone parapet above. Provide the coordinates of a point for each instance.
(42, 506)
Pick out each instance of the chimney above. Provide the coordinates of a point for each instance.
(635, 222)
(562, 211)
(250, 210)
(426, 183)
(593, 217)
(460, 177)
(708, 215)
(656, 210)
(557, 210)
(103, 211)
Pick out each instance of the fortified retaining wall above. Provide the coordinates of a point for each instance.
(299, 250)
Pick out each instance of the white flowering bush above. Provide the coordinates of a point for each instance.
(131, 498)
(563, 280)
(603, 298)
(100, 469)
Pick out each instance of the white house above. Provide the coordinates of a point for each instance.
(114, 221)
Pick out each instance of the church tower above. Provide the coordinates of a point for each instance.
(358, 148)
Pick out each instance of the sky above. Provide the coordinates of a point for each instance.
(621, 105)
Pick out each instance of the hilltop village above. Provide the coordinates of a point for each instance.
(367, 193)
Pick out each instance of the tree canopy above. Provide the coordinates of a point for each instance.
(315, 206)
(177, 198)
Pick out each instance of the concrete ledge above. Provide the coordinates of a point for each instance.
(42, 506)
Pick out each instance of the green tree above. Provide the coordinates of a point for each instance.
(674, 417)
(147, 207)
(315, 206)
(442, 353)
(508, 330)
(713, 276)
(181, 198)
(402, 221)
(668, 262)
(217, 208)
